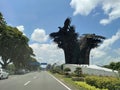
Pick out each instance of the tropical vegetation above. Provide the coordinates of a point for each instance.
(89, 82)
(14, 47)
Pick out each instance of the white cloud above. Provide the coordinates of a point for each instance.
(110, 41)
(110, 7)
(104, 50)
(100, 51)
(39, 35)
(106, 60)
(21, 28)
(117, 51)
(83, 7)
(48, 53)
(105, 21)
(97, 53)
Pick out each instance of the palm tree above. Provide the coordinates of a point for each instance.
(88, 42)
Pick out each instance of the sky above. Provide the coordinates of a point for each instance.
(38, 18)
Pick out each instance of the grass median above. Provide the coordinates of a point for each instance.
(68, 81)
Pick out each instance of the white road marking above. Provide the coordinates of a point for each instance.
(60, 82)
(27, 83)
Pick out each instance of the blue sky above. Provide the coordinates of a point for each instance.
(38, 18)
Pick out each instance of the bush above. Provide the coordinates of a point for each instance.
(11, 69)
(88, 87)
(67, 75)
(67, 72)
(78, 78)
(78, 72)
(103, 82)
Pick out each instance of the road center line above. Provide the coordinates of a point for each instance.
(60, 82)
(27, 83)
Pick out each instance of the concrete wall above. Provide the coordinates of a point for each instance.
(93, 70)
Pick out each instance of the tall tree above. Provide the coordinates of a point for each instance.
(88, 42)
(113, 66)
(13, 45)
(21, 51)
(33, 64)
(2, 21)
(3, 40)
(66, 38)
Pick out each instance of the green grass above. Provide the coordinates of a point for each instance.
(99, 81)
(68, 82)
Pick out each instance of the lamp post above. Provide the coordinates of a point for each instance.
(91, 59)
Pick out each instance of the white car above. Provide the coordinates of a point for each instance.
(3, 74)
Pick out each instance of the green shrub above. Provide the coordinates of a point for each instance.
(67, 75)
(67, 72)
(78, 72)
(103, 82)
(88, 87)
(78, 78)
(117, 85)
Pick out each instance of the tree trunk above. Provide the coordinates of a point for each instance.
(4, 66)
(72, 55)
(76, 55)
(5, 63)
(87, 54)
(67, 60)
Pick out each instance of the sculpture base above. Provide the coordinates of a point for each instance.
(93, 70)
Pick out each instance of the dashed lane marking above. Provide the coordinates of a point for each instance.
(27, 83)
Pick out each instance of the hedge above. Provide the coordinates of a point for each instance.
(103, 82)
(78, 78)
(88, 87)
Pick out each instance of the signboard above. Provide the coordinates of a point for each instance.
(43, 63)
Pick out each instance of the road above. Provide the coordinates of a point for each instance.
(32, 81)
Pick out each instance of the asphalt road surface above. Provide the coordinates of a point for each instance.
(32, 81)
